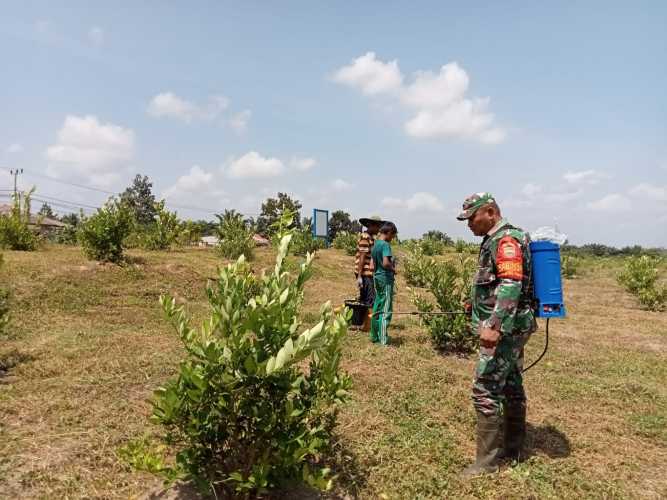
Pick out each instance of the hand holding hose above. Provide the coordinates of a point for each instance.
(488, 337)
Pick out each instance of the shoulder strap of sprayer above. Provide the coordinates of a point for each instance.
(529, 295)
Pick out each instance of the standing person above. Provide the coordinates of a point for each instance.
(383, 279)
(363, 270)
(503, 317)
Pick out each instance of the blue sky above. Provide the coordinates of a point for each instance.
(375, 107)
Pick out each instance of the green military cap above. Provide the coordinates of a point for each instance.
(473, 202)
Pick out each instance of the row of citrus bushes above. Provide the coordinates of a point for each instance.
(641, 277)
(113, 228)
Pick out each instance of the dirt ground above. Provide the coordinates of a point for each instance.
(89, 344)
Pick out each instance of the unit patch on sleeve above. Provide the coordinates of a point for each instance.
(509, 259)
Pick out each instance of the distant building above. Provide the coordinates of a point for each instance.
(209, 241)
(43, 225)
(260, 241)
(212, 241)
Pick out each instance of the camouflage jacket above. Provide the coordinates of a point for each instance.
(502, 289)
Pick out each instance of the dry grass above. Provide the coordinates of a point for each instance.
(89, 344)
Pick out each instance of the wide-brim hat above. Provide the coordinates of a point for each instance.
(373, 219)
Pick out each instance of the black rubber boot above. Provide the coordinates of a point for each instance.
(515, 432)
(489, 430)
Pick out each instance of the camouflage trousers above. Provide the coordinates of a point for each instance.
(498, 379)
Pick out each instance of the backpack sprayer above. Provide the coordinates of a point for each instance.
(547, 290)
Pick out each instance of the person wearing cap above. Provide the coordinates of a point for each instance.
(502, 315)
(363, 270)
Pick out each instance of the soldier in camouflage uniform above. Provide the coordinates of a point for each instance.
(503, 317)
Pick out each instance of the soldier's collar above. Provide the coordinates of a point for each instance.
(502, 222)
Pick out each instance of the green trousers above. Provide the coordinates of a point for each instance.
(382, 307)
(498, 376)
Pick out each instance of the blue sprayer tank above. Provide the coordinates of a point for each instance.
(547, 283)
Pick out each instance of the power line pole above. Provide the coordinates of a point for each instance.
(15, 172)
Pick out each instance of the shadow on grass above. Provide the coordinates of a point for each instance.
(352, 474)
(179, 491)
(129, 260)
(12, 359)
(396, 341)
(351, 479)
(548, 440)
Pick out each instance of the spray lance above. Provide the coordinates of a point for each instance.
(547, 290)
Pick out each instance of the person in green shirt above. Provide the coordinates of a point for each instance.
(383, 280)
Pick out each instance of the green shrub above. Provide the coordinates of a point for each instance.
(65, 236)
(68, 234)
(570, 266)
(245, 413)
(434, 234)
(103, 234)
(418, 267)
(654, 298)
(305, 243)
(639, 273)
(450, 285)
(190, 233)
(462, 246)
(346, 241)
(431, 246)
(4, 304)
(234, 235)
(640, 277)
(15, 231)
(164, 231)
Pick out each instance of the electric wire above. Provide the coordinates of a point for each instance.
(206, 210)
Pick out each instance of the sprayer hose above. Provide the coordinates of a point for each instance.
(546, 346)
(418, 313)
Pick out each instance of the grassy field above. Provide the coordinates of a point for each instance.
(89, 344)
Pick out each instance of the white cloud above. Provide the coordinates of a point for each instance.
(418, 202)
(584, 176)
(531, 190)
(15, 148)
(86, 147)
(437, 91)
(390, 202)
(96, 36)
(464, 119)
(197, 188)
(563, 196)
(195, 181)
(516, 203)
(254, 165)
(438, 101)
(239, 122)
(339, 185)
(370, 75)
(535, 194)
(169, 105)
(611, 203)
(302, 164)
(649, 191)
